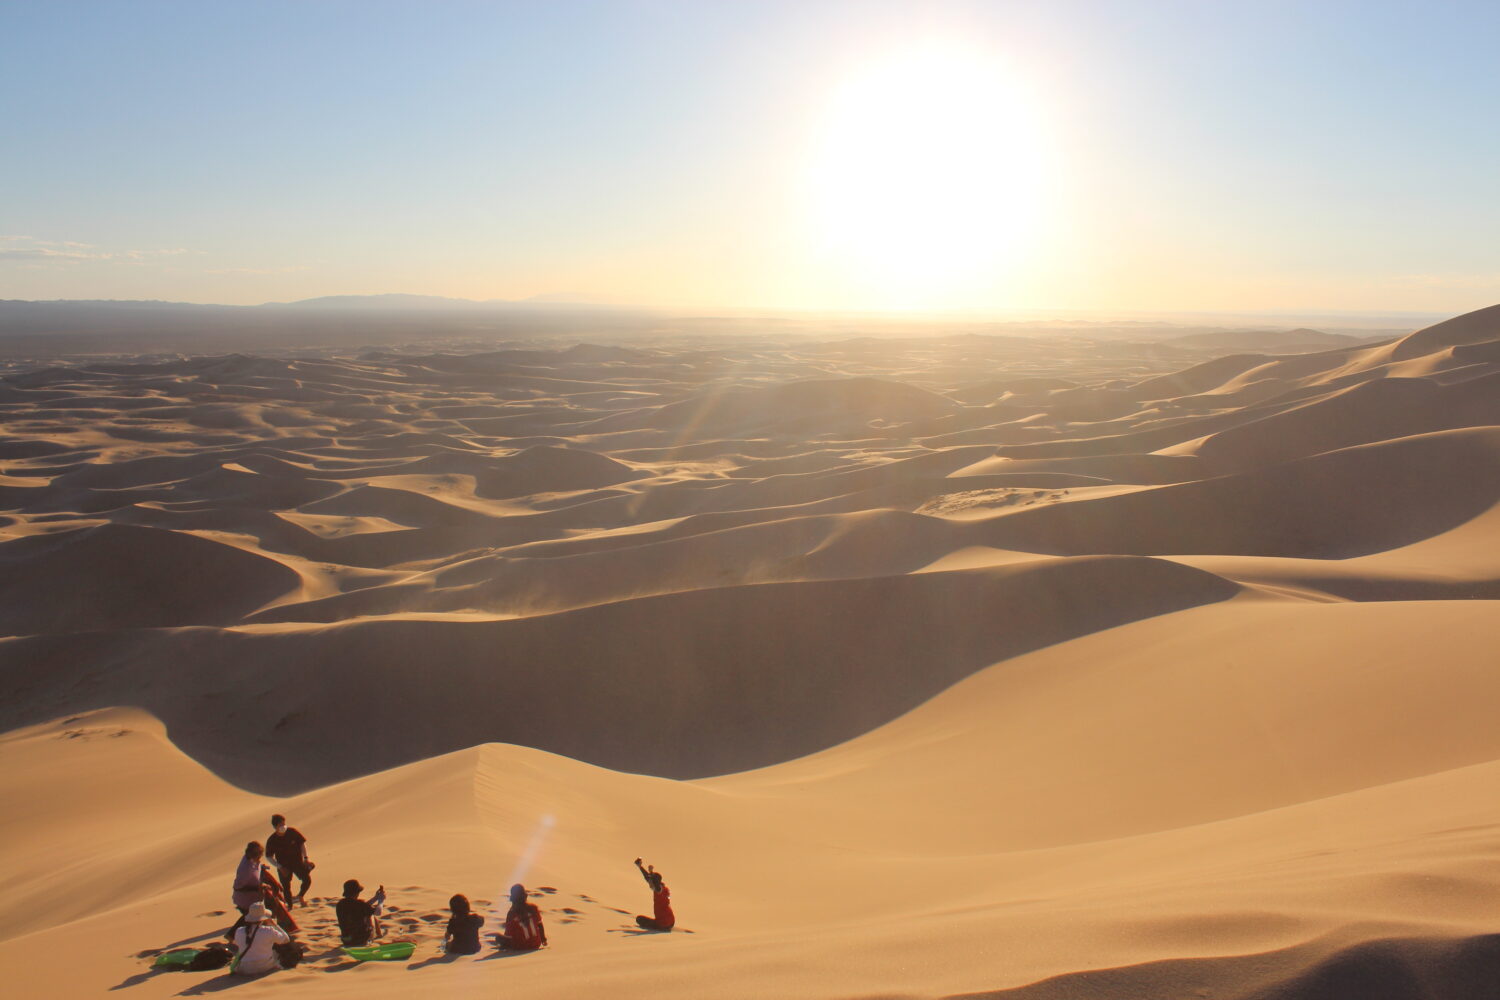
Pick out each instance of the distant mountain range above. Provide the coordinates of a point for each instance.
(399, 300)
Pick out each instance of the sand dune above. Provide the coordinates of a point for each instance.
(964, 666)
(130, 577)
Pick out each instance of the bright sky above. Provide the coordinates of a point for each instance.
(822, 154)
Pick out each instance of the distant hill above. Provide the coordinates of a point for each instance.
(90, 326)
(1299, 341)
(401, 301)
(392, 300)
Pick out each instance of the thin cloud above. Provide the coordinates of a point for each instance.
(146, 254)
(286, 269)
(72, 251)
(48, 253)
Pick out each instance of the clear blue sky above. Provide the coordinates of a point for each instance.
(1167, 155)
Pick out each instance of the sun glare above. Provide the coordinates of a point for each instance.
(928, 179)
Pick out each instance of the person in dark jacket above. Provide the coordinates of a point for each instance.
(662, 919)
(359, 919)
(288, 849)
(462, 935)
(523, 924)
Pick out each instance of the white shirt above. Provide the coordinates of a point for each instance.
(260, 958)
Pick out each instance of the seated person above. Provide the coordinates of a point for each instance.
(359, 920)
(462, 935)
(523, 924)
(662, 918)
(255, 942)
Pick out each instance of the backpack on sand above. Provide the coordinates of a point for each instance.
(290, 953)
(215, 956)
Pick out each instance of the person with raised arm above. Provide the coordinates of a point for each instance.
(359, 919)
(662, 918)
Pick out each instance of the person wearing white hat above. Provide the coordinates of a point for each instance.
(255, 942)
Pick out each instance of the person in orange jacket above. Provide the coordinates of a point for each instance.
(523, 924)
(663, 918)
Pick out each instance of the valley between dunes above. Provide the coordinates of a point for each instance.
(960, 666)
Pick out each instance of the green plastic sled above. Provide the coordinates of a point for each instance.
(396, 951)
(174, 959)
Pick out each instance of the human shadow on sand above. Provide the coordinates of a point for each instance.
(226, 981)
(442, 958)
(497, 953)
(137, 979)
(644, 932)
(194, 939)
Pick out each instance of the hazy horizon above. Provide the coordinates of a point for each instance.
(970, 158)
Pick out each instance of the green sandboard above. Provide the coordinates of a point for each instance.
(393, 952)
(174, 959)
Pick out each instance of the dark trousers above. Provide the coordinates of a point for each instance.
(285, 874)
(651, 924)
(229, 934)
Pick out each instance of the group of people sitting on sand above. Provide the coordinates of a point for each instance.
(262, 937)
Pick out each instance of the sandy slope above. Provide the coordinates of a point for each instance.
(993, 673)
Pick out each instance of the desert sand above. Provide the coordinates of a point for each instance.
(964, 666)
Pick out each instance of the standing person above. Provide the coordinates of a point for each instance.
(288, 848)
(462, 935)
(663, 918)
(523, 924)
(359, 920)
(255, 942)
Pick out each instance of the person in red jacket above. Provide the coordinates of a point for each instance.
(523, 924)
(661, 901)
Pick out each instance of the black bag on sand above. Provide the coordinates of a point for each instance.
(289, 954)
(215, 956)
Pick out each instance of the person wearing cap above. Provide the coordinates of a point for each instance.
(255, 942)
(288, 848)
(359, 919)
(662, 919)
(523, 924)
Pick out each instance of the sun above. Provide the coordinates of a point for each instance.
(929, 178)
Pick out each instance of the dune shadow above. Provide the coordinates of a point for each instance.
(1465, 968)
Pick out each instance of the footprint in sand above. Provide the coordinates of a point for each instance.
(544, 888)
